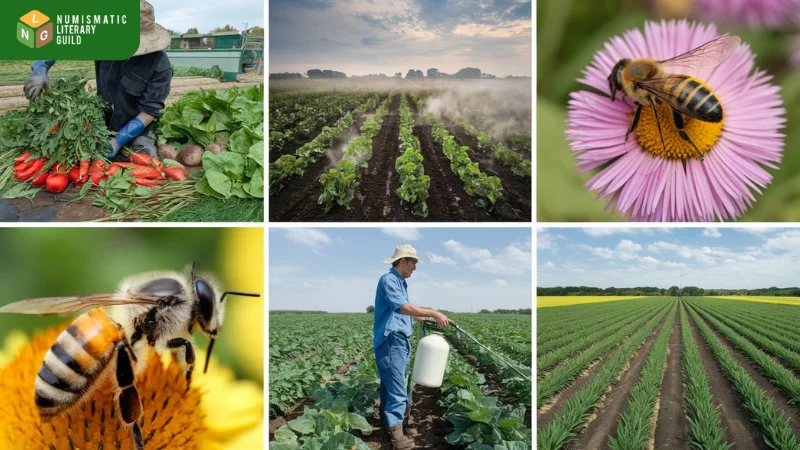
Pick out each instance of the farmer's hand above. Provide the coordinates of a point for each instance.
(38, 80)
(112, 148)
(441, 319)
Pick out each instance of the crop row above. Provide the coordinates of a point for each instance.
(589, 337)
(774, 424)
(340, 183)
(578, 407)
(414, 184)
(566, 372)
(487, 190)
(587, 325)
(519, 166)
(550, 321)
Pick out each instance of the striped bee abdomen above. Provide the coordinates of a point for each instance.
(74, 361)
(694, 98)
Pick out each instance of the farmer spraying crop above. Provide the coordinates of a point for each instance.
(135, 89)
(391, 332)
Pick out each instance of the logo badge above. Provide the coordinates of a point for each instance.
(34, 30)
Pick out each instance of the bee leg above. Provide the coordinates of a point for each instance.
(635, 122)
(188, 357)
(658, 122)
(678, 119)
(129, 403)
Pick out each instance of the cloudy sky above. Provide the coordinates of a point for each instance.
(205, 15)
(387, 36)
(337, 269)
(732, 258)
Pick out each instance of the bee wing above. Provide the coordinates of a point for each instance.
(67, 306)
(658, 87)
(706, 56)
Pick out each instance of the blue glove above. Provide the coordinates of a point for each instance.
(38, 80)
(125, 134)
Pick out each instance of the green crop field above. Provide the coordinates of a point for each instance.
(668, 372)
(324, 383)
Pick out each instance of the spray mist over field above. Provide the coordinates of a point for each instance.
(495, 106)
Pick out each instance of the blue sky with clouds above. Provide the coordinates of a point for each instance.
(732, 258)
(337, 269)
(379, 36)
(180, 15)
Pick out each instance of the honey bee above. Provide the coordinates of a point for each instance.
(648, 81)
(154, 310)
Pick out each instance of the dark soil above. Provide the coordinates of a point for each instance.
(779, 399)
(615, 401)
(297, 201)
(49, 207)
(516, 190)
(377, 200)
(545, 417)
(739, 430)
(672, 426)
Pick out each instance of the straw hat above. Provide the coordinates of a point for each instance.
(403, 251)
(152, 36)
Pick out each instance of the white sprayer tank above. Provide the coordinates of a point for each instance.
(431, 360)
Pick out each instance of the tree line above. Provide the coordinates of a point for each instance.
(467, 72)
(559, 291)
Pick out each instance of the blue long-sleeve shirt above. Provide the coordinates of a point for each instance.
(391, 294)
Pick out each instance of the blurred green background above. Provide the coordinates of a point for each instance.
(44, 262)
(568, 34)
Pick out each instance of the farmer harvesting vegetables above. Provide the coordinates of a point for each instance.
(135, 88)
(391, 331)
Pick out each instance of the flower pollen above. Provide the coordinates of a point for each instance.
(704, 134)
(172, 417)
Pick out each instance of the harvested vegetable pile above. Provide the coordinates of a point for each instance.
(61, 129)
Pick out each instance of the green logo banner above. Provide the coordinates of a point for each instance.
(59, 30)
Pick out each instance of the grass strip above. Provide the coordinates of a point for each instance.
(577, 409)
(566, 372)
(633, 428)
(705, 428)
(778, 375)
(774, 425)
(578, 343)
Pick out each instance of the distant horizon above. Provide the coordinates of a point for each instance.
(364, 36)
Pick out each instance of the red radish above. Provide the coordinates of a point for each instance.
(158, 165)
(126, 165)
(21, 158)
(57, 182)
(22, 167)
(84, 170)
(54, 130)
(30, 171)
(176, 173)
(113, 168)
(146, 172)
(95, 177)
(140, 158)
(59, 168)
(40, 180)
(74, 175)
(146, 182)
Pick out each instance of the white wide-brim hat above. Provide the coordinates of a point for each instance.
(403, 251)
(152, 36)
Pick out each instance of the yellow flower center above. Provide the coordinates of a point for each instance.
(172, 417)
(704, 134)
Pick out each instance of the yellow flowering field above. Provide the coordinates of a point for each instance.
(779, 300)
(548, 301)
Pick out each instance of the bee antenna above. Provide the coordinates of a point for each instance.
(208, 354)
(244, 294)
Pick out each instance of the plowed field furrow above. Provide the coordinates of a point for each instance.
(671, 425)
(739, 428)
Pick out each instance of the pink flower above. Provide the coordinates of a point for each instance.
(753, 13)
(647, 180)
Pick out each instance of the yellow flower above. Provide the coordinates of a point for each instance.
(202, 418)
(243, 270)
